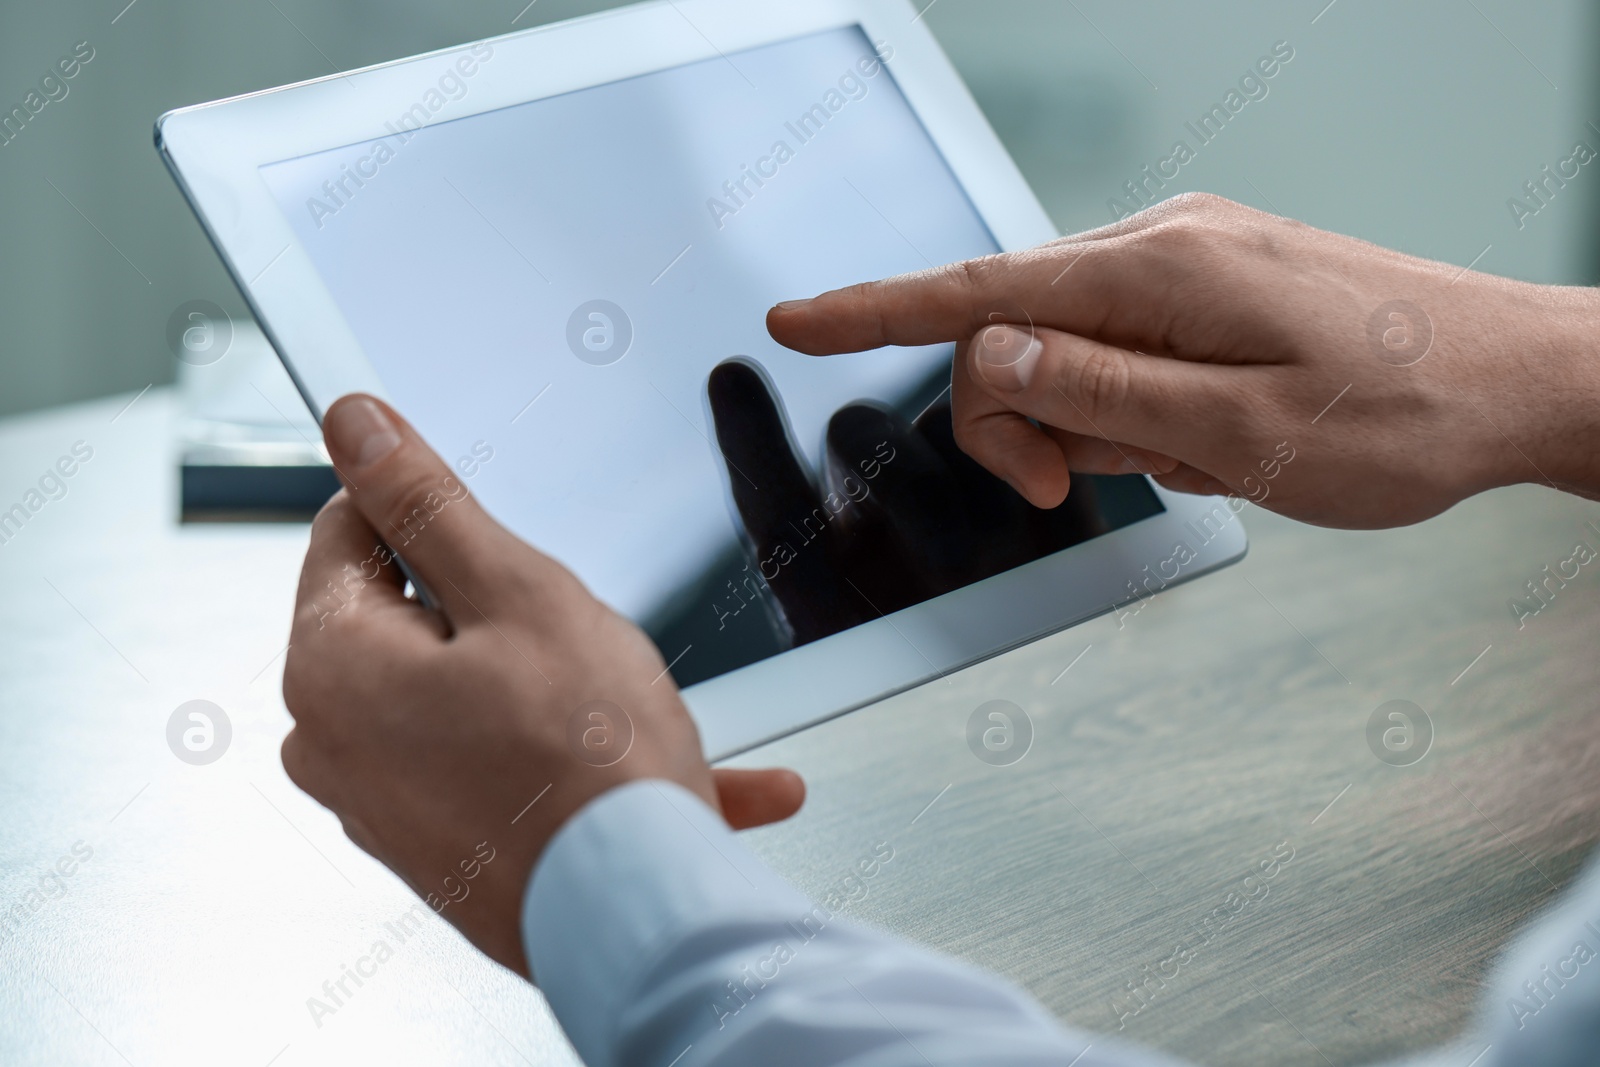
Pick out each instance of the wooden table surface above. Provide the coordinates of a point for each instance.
(1223, 726)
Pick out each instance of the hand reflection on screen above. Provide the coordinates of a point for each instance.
(898, 513)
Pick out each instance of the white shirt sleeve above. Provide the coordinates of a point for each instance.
(659, 940)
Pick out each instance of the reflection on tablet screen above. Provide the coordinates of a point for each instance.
(575, 288)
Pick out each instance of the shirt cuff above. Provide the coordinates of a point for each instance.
(621, 882)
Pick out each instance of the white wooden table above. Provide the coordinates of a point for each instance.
(1226, 718)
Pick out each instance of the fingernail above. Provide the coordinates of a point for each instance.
(1007, 357)
(792, 305)
(361, 432)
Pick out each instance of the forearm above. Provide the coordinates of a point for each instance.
(655, 934)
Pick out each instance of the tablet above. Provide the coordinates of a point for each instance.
(553, 251)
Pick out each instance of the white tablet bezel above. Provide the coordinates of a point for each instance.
(215, 151)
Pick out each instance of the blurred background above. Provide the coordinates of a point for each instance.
(1410, 125)
(219, 898)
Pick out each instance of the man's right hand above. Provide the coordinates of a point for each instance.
(1201, 341)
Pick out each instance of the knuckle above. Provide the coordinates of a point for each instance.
(415, 498)
(1195, 215)
(1182, 236)
(965, 435)
(358, 834)
(334, 511)
(1183, 248)
(975, 278)
(295, 758)
(1099, 382)
(296, 693)
(979, 442)
(309, 613)
(873, 298)
(1194, 203)
(1275, 237)
(972, 274)
(546, 581)
(316, 608)
(316, 682)
(304, 765)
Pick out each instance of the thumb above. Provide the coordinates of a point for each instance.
(1159, 404)
(416, 504)
(751, 798)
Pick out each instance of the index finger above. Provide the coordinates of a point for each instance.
(1095, 288)
(350, 587)
(347, 565)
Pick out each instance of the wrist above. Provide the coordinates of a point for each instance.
(1561, 393)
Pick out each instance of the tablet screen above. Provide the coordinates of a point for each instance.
(567, 298)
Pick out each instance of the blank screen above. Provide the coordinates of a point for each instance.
(567, 298)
